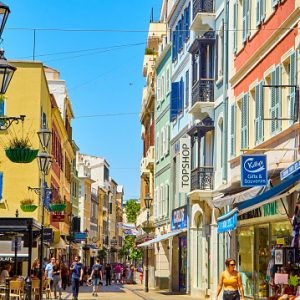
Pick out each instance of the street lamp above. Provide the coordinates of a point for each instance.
(44, 162)
(4, 12)
(6, 72)
(85, 247)
(148, 202)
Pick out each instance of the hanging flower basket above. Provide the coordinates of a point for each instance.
(58, 206)
(28, 207)
(21, 155)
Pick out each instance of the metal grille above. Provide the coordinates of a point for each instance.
(203, 91)
(202, 6)
(202, 178)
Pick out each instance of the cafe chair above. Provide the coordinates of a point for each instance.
(35, 285)
(47, 289)
(16, 289)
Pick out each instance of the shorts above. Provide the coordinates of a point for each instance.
(118, 276)
(96, 281)
(231, 295)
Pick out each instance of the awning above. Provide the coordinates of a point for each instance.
(60, 245)
(229, 221)
(160, 238)
(265, 197)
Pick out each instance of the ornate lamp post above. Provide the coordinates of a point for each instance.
(44, 162)
(86, 247)
(148, 202)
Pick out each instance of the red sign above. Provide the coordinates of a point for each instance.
(57, 217)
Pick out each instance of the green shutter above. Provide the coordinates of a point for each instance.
(261, 112)
(256, 119)
(235, 20)
(272, 104)
(245, 31)
(262, 10)
(233, 130)
(257, 14)
(274, 3)
(278, 97)
(245, 122)
(293, 81)
(249, 17)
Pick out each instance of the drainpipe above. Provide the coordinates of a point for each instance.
(188, 262)
(225, 87)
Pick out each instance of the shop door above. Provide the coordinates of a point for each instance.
(262, 246)
(182, 262)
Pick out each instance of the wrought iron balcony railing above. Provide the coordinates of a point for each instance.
(202, 6)
(203, 91)
(202, 178)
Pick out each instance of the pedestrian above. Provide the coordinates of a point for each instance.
(64, 275)
(77, 276)
(49, 271)
(57, 279)
(96, 277)
(35, 270)
(232, 282)
(124, 274)
(118, 270)
(5, 273)
(108, 274)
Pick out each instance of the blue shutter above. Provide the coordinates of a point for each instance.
(245, 31)
(188, 20)
(1, 185)
(293, 81)
(257, 15)
(233, 130)
(272, 105)
(2, 112)
(174, 101)
(235, 20)
(180, 35)
(173, 45)
(181, 96)
(177, 41)
(187, 87)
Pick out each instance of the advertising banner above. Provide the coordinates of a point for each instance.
(185, 165)
(179, 218)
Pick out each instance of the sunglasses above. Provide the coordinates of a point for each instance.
(231, 264)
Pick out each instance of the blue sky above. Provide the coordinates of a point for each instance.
(102, 81)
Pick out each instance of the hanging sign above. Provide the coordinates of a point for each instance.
(228, 221)
(184, 165)
(16, 242)
(254, 170)
(57, 217)
(80, 236)
(179, 218)
(290, 170)
(48, 235)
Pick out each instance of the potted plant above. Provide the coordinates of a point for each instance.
(57, 205)
(27, 205)
(19, 150)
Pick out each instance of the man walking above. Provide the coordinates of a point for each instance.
(96, 277)
(49, 271)
(77, 275)
(118, 270)
(56, 271)
(108, 274)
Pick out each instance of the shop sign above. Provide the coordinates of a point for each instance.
(58, 217)
(184, 165)
(254, 170)
(179, 218)
(80, 236)
(48, 235)
(16, 242)
(228, 221)
(270, 209)
(290, 170)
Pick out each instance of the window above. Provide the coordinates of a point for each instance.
(159, 90)
(168, 81)
(187, 85)
(181, 96)
(292, 81)
(260, 11)
(220, 51)
(162, 88)
(157, 148)
(174, 105)
(245, 121)
(232, 130)
(161, 200)
(235, 27)
(162, 143)
(259, 114)
(275, 101)
(246, 19)
(166, 201)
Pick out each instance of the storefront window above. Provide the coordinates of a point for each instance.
(281, 233)
(245, 248)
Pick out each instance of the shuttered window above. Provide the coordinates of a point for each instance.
(259, 114)
(246, 19)
(260, 6)
(275, 101)
(167, 139)
(157, 148)
(181, 96)
(159, 91)
(293, 81)
(174, 105)
(245, 122)
(187, 85)
(235, 21)
(274, 3)
(232, 130)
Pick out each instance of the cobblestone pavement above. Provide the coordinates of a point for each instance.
(124, 292)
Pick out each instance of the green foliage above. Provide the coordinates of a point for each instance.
(19, 143)
(136, 254)
(132, 209)
(102, 253)
(129, 249)
(149, 51)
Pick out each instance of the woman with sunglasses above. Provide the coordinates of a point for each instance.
(232, 282)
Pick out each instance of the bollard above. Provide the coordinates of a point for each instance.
(7, 284)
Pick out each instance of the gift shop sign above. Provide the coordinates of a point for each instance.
(254, 170)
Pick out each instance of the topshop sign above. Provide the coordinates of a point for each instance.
(185, 165)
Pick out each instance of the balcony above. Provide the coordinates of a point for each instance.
(143, 169)
(203, 15)
(150, 158)
(202, 94)
(202, 178)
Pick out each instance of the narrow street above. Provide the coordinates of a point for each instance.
(124, 292)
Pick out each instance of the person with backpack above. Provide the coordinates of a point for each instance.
(96, 277)
(77, 276)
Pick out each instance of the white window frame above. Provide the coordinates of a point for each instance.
(168, 83)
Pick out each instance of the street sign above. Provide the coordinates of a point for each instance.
(48, 235)
(57, 217)
(290, 170)
(13, 243)
(254, 170)
(228, 221)
(80, 236)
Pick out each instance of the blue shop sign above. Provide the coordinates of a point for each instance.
(80, 236)
(228, 221)
(254, 170)
(290, 170)
(179, 218)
